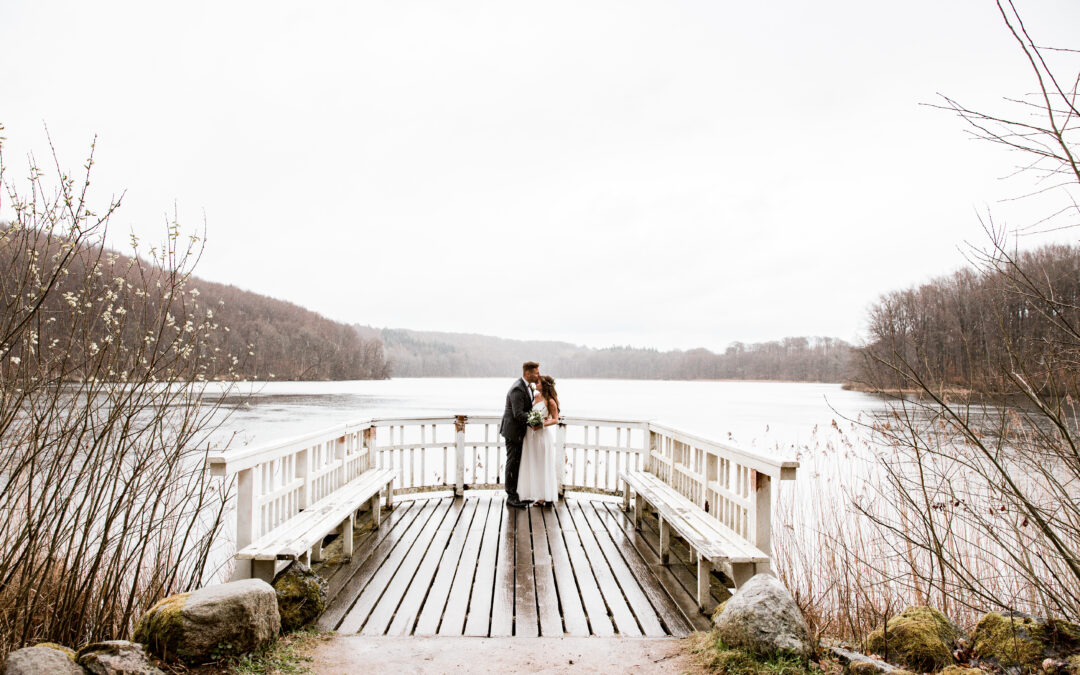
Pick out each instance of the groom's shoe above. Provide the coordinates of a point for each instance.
(516, 503)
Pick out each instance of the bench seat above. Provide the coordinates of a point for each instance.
(714, 543)
(301, 536)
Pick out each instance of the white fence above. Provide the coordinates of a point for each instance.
(277, 481)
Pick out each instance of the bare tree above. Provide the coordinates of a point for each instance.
(105, 419)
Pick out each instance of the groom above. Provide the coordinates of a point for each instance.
(514, 422)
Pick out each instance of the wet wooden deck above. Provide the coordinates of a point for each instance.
(470, 566)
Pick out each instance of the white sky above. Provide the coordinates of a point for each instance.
(668, 174)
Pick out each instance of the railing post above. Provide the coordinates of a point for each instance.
(459, 454)
(245, 519)
(369, 445)
(762, 515)
(560, 456)
(303, 470)
(647, 461)
(339, 457)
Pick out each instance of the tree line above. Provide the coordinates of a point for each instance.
(434, 354)
(975, 328)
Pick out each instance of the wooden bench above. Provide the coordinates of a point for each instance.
(714, 543)
(301, 536)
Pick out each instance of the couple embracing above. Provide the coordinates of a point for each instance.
(532, 411)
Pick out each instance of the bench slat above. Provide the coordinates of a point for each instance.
(706, 535)
(297, 535)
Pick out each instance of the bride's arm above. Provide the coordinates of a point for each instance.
(553, 417)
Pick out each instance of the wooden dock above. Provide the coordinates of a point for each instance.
(445, 565)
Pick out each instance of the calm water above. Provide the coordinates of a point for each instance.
(772, 417)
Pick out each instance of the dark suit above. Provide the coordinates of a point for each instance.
(512, 428)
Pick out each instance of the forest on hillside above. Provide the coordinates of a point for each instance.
(252, 336)
(433, 354)
(974, 329)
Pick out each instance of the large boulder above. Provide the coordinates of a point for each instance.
(763, 619)
(1020, 640)
(920, 638)
(43, 659)
(211, 623)
(301, 596)
(116, 657)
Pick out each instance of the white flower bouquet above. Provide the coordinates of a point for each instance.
(535, 418)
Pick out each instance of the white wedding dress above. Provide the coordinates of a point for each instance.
(537, 478)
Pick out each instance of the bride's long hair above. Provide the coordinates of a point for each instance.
(547, 390)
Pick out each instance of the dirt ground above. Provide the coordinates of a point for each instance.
(355, 654)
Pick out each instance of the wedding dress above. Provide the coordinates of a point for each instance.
(537, 478)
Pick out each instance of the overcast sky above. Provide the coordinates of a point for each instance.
(667, 174)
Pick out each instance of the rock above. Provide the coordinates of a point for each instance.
(301, 596)
(763, 618)
(861, 664)
(211, 623)
(116, 657)
(920, 638)
(41, 660)
(1021, 640)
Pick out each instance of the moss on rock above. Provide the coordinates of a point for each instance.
(66, 651)
(301, 596)
(921, 638)
(961, 670)
(715, 656)
(1023, 641)
(162, 625)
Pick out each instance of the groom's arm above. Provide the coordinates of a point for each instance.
(518, 407)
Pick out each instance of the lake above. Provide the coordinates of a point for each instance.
(776, 418)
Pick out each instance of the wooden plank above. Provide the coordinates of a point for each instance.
(573, 612)
(375, 580)
(624, 620)
(639, 603)
(339, 574)
(547, 596)
(450, 589)
(525, 619)
(672, 619)
(441, 552)
(391, 598)
(591, 597)
(390, 535)
(502, 603)
(479, 619)
(648, 550)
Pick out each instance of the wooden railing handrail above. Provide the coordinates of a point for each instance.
(278, 480)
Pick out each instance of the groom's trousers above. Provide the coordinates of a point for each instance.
(513, 463)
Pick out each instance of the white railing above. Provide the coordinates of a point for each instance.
(277, 481)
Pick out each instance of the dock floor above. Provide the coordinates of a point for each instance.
(471, 566)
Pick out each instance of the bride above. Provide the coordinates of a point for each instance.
(538, 478)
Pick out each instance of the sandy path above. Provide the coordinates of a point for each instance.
(356, 654)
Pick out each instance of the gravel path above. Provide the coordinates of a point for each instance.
(354, 654)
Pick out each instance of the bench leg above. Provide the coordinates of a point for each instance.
(741, 573)
(316, 552)
(390, 495)
(704, 573)
(665, 541)
(376, 511)
(626, 496)
(347, 536)
(263, 569)
(639, 510)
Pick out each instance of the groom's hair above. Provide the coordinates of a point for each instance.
(529, 365)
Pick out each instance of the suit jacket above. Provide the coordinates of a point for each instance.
(518, 405)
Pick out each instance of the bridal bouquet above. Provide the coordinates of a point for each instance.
(536, 418)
